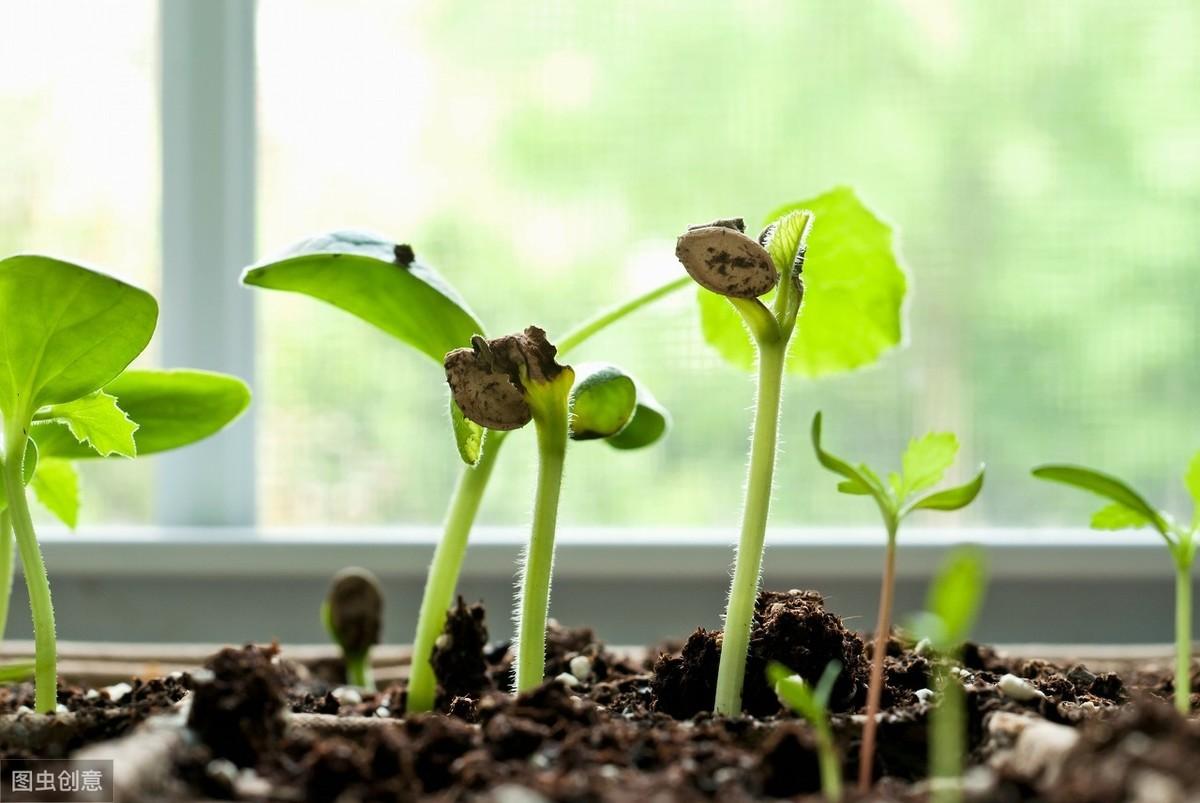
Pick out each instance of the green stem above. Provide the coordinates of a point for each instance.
(947, 734)
(534, 604)
(45, 646)
(358, 670)
(1183, 637)
(748, 562)
(866, 759)
(608, 317)
(6, 568)
(831, 768)
(443, 573)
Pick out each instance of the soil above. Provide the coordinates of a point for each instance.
(605, 728)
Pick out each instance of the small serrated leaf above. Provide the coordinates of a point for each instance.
(925, 461)
(97, 420)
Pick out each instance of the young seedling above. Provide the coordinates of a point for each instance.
(951, 607)
(168, 410)
(68, 331)
(353, 615)
(384, 284)
(852, 289)
(1129, 510)
(923, 465)
(812, 703)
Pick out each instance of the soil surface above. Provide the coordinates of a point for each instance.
(606, 729)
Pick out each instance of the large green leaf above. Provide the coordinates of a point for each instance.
(650, 422)
(97, 421)
(380, 282)
(171, 408)
(1107, 486)
(853, 293)
(603, 400)
(66, 331)
(56, 485)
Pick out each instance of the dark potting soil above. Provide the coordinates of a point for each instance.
(605, 728)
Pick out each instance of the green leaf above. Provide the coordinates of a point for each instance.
(67, 331)
(603, 400)
(853, 488)
(171, 408)
(468, 436)
(955, 598)
(1107, 486)
(724, 330)
(785, 240)
(28, 469)
(16, 672)
(952, 498)
(56, 485)
(925, 462)
(808, 701)
(367, 276)
(1118, 517)
(650, 422)
(861, 477)
(97, 421)
(1192, 480)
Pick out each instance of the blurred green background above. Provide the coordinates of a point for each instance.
(1041, 162)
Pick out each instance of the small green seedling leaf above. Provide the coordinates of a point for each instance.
(860, 481)
(67, 331)
(96, 421)
(854, 291)
(925, 462)
(603, 401)
(954, 600)
(1118, 517)
(468, 436)
(954, 498)
(1192, 480)
(810, 702)
(16, 672)
(171, 408)
(56, 485)
(649, 423)
(1107, 486)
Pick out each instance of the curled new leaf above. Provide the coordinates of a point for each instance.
(603, 401)
(1107, 486)
(860, 481)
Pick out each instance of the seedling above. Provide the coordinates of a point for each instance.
(353, 615)
(812, 703)
(852, 314)
(923, 465)
(951, 608)
(1129, 510)
(384, 284)
(168, 410)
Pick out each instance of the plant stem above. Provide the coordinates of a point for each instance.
(358, 670)
(1183, 637)
(830, 767)
(6, 568)
(45, 647)
(444, 570)
(748, 562)
(534, 603)
(883, 627)
(590, 327)
(947, 733)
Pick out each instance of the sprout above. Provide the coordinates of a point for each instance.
(353, 615)
(812, 703)
(1129, 509)
(923, 465)
(386, 285)
(951, 607)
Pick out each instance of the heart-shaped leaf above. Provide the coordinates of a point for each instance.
(853, 293)
(67, 331)
(603, 401)
(171, 408)
(649, 423)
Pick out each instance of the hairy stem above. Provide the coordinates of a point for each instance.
(443, 573)
(748, 561)
(608, 317)
(830, 767)
(6, 568)
(358, 670)
(45, 646)
(1183, 637)
(947, 734)
(866, 760)
(534, 603)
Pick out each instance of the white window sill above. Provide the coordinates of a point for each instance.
(593, 552)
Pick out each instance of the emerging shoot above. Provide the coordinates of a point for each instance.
(951, 607)
(812, 703)
(386, 285)
(1129, 510)
(353, 615)
(923, 465)
(831, 254)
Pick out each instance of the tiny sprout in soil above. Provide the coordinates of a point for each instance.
(923, 465)
(812, 703)
(1127, 509)
(353, 615)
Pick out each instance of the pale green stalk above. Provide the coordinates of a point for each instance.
(38, 585)
(614, 314)
(358, 670)
(1183, 636)
(866, 767)
(947, 736)
(748, 561)
(534, 605)
(827, 758)
(6, 568)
